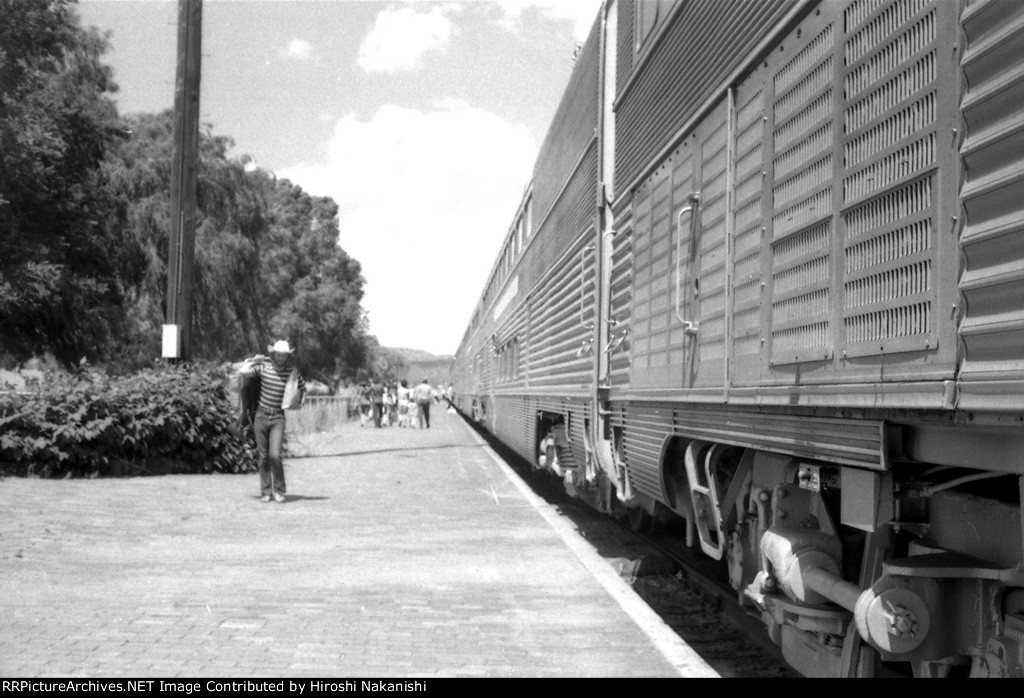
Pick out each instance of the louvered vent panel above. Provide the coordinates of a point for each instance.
(748, 230)
(621, 301)
(483, 362)
(903, 124)
(653, 340)
(879, 31)
(795, 98)
(641, 310)
(890, 104)
(801, 196)
(801, 288)
(876, 258)
(883, 325)
(891, 168)
(875, 29)
(713, 219)
(889, 293)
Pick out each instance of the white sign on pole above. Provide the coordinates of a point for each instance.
(171, 342)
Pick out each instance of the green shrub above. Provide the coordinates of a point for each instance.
(157, 421)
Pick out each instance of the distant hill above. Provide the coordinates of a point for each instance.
(422, 364)
(416, 354)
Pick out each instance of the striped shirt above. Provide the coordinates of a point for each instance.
(272, 383)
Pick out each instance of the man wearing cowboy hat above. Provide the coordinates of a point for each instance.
(274, 373)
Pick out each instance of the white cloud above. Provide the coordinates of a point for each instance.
(423, 209)
(582, 13)
(401, 37)
(299, 50)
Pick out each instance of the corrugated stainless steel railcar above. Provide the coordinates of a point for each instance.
(523, 366)
(769, 280)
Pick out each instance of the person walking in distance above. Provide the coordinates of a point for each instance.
(277, 377)
(364, 403)
(390, 417)
(424, 394)
(404, 405)
(376, 401)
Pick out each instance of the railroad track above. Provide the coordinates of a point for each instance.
(687, 593)
(707, 614)
(678, 585)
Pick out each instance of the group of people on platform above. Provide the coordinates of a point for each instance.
(396, 404)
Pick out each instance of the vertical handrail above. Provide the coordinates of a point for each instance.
(612, 322)
(583, 285)
(689, 326)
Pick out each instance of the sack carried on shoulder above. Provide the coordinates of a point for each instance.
(292, 397)
(247, 384)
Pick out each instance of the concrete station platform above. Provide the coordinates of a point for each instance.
(399, 553)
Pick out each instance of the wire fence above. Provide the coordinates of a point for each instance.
(321, 413)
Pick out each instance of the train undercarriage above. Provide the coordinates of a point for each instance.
(911, 571)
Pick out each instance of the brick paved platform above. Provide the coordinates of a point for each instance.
(399, 553)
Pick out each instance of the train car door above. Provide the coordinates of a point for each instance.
(680, 282)
(657, 344)
(700, 323)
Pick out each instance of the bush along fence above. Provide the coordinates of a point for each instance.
(168, 419)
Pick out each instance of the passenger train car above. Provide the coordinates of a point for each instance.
(767, 282)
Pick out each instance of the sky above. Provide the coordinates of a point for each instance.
(421, 119)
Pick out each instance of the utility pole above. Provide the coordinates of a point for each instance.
(177, 332)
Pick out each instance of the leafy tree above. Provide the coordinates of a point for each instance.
(267, 263)
(231, 219)
(389, 365)
(85, 221)
(137, 175)
(316, 286)
(59, 289)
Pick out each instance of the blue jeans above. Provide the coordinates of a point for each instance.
(269, 430)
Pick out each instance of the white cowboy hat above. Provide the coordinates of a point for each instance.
(280, 347)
